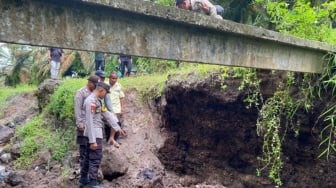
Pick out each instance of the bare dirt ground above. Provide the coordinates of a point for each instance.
(139, 149)
(20, 108)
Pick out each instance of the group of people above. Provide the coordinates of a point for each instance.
(56, 57)
(125, 63)
(98, 104)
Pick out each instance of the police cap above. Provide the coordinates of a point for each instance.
(100, 73)
(104, 85)
(94, 79)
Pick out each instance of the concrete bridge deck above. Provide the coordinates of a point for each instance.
(146, 29)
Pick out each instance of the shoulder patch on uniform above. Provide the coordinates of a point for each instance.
(93, 107)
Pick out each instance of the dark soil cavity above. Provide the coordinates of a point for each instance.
(113, 176)
(213, 137)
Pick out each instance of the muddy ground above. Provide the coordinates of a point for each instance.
(197, 135)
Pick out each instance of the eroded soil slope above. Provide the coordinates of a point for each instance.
(212, 135)
(195, 135)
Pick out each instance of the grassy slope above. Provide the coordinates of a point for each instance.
(7, 92)
(40, 137)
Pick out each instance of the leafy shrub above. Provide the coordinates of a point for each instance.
(110, 65)
(62, 101)
(328, 133)
(155, 65)
(37, 137)
(270, 126)
(303, 20)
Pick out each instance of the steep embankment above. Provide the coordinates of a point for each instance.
(213, 137)
(195, 135)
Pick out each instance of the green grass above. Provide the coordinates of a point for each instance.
(7, 92)
(152, 85)
(40, 137)
(62, 101)
(146, 83)
(143, 82)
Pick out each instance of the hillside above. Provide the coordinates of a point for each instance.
(196, 134)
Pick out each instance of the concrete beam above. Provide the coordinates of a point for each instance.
(145, 29)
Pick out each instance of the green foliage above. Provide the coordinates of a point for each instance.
(166, 2)
(62, 101)
(60, 142)
(153, 92)
(110, 66)
(303, 20)
(280, 106)
(78, 66)
(328, 77)
(328, 133)
(250, 82)
(307, 90)
(37, 76)
(149, 86)
(27, 153)
(14, 78)
(39, 138)
(148, 65)
(7, 92)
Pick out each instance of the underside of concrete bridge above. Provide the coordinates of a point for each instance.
(146, 29)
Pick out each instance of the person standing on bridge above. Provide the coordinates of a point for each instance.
(203, 6)
(55, 56)
(125, 61)
(99, 61)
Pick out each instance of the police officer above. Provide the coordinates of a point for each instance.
(94, 133)
(107, 112)
(80, 96)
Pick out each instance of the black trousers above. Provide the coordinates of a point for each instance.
(126, 64)
(92, 160)
(99, 65)
(82, 142)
